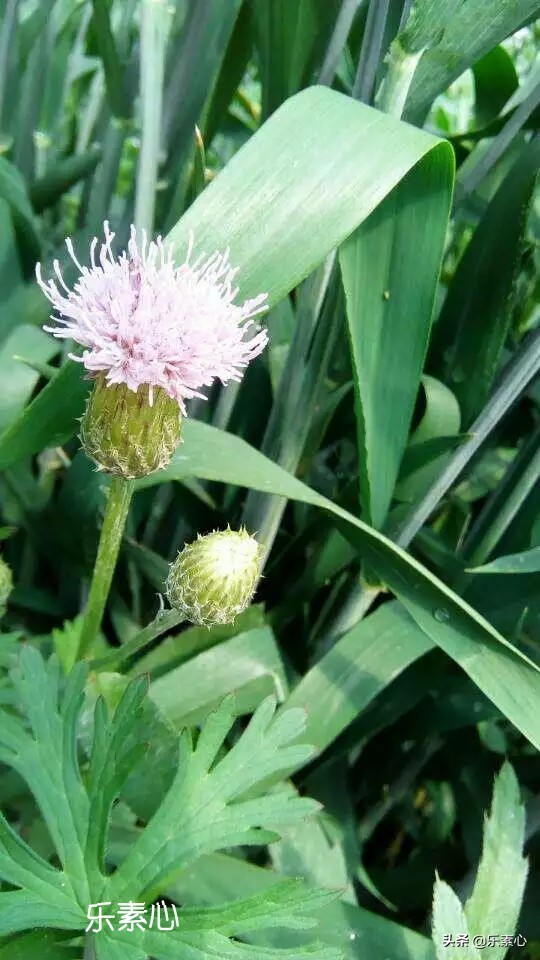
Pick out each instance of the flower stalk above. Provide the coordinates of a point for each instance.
(116, 511)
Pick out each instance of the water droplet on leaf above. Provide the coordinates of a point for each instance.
(441, 614)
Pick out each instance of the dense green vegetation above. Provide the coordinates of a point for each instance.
(371, 167)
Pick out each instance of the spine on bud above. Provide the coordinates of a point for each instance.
(127, 436)
(214, 578)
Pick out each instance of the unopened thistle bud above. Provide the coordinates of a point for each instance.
(214, 578)
(153, 335)
(6, 585)
(126, 435)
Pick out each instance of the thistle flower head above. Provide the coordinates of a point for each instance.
(143, 321)
(214, 578)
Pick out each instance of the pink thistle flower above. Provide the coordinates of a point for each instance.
(143, 320)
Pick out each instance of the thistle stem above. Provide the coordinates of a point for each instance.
(116, 511)
(89, 949)
(164, 621)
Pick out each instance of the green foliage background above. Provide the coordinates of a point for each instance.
(371, 164)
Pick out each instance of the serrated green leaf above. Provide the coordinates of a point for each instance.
(108, 949)
(66, 643)
(495, 903)
(449, 921)
(354, 931)
(205, 808)
(206, 946)
(47, 762)
(216, 799)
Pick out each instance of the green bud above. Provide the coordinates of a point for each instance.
(214, 578)
(6, 584)
(125, 435)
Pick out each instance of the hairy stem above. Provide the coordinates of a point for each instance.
(118, 501)
(163, 622)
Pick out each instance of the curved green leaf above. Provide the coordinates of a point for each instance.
(456, 33)
(304, 182)
(502, 672)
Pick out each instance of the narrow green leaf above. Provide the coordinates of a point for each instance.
(155, 23)
(49, 420)
(481, 163)
(519, 373)
(290, 40)
(58, 180)
(504, 674)
(17, 379)
(248, 664)
(495, 80)
(390, 286)
(526, 562)
(357, 668)
(501, 512)
(114, 78)
(455, 37)
(338, 40)
(13, 190)
(198, 55)
(435, 435)
(476, 316)
(178, 648)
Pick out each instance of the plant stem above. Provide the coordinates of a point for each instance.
(89, 948)
(395, 87)
(155, 17)
(118, 501)
(373, 50)
(163, 622)
(338, 40)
